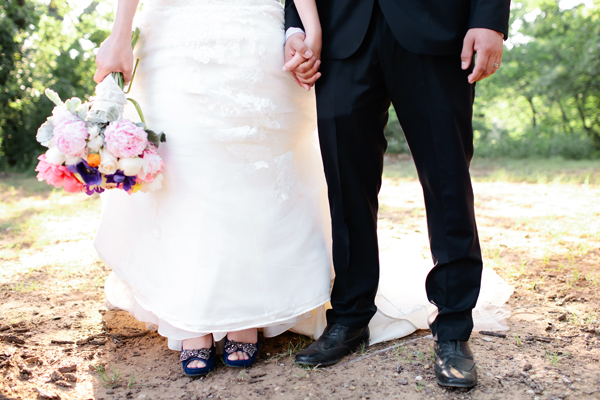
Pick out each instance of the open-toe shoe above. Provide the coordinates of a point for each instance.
(207, 356)
(230, 347)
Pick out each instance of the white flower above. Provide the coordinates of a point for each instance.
(95, 144)
(93, 131)
(154, 185)
(131, 166)
(108, 162)
(72, 160)
(54, 156)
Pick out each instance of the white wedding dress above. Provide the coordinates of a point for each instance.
(239, 236)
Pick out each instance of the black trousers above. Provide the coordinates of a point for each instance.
(434, 102)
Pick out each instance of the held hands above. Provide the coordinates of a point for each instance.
(303, 59)
(114, 55)
(488, 45)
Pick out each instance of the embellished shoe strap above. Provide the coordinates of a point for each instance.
(203, 354)
(248, 348)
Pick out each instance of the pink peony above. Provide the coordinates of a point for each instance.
(124, 139)
(57, 176)
(62, 116)
(152, 164)
(70, 138)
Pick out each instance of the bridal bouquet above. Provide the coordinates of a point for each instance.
(91, 147)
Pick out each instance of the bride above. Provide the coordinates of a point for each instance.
(239, 236)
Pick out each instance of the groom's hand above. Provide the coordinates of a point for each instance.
(488, 44)
(301, 62)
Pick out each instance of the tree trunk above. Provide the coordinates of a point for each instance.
(20, 22)
(564, 116)
(588, 129)
(581, 114)
(533, 119)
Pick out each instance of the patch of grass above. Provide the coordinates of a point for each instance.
(420, 356)
(242, 375)
(431, 355)
(402, 168)
(551, 170)
(519, 343)
(545, 260)
(591, 278)
(362, 349)
(573, 318)
(107, 380)
(552, 357)
(23, 287)
(14, 187)
(516, 273)
(420, 386)
(493, 257)
(415, 356)
(131, 380)
(400, 351)
(590, 318)
(291, 347)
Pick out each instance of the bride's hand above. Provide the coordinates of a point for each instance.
(308, 72)
(115, 55)
(315, 43)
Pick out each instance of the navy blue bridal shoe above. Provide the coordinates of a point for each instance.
(207, 356)
(230, 347)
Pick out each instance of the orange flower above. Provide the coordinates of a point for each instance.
(93, 160)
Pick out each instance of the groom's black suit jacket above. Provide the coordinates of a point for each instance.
(434, 27)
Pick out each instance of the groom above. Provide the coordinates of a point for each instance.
(416, 54)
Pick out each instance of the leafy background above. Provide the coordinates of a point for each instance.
(543, 102)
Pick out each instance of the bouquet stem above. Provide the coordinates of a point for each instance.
(138, 109)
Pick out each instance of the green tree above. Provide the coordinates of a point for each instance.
(42, 45)
(545, 99)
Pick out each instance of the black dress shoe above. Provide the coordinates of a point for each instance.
(454, 364)
(335, 343)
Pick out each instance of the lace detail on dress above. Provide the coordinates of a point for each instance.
(224, 59)
(199, 26)
(287, 182)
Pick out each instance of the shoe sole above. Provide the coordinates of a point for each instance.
(327, 364)
(198, 374)
(238, 365)
(319, 364)
(193, 375)
(455, 385)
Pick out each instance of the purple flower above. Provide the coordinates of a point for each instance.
(121, 179)
(90, 190)
(90, 175)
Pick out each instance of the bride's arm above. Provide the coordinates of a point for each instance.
(115, 54)
(307, 9)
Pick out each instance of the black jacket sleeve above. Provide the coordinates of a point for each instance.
(292, 19)
(490, 14)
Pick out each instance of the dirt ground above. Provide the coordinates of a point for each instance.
(59, 341)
